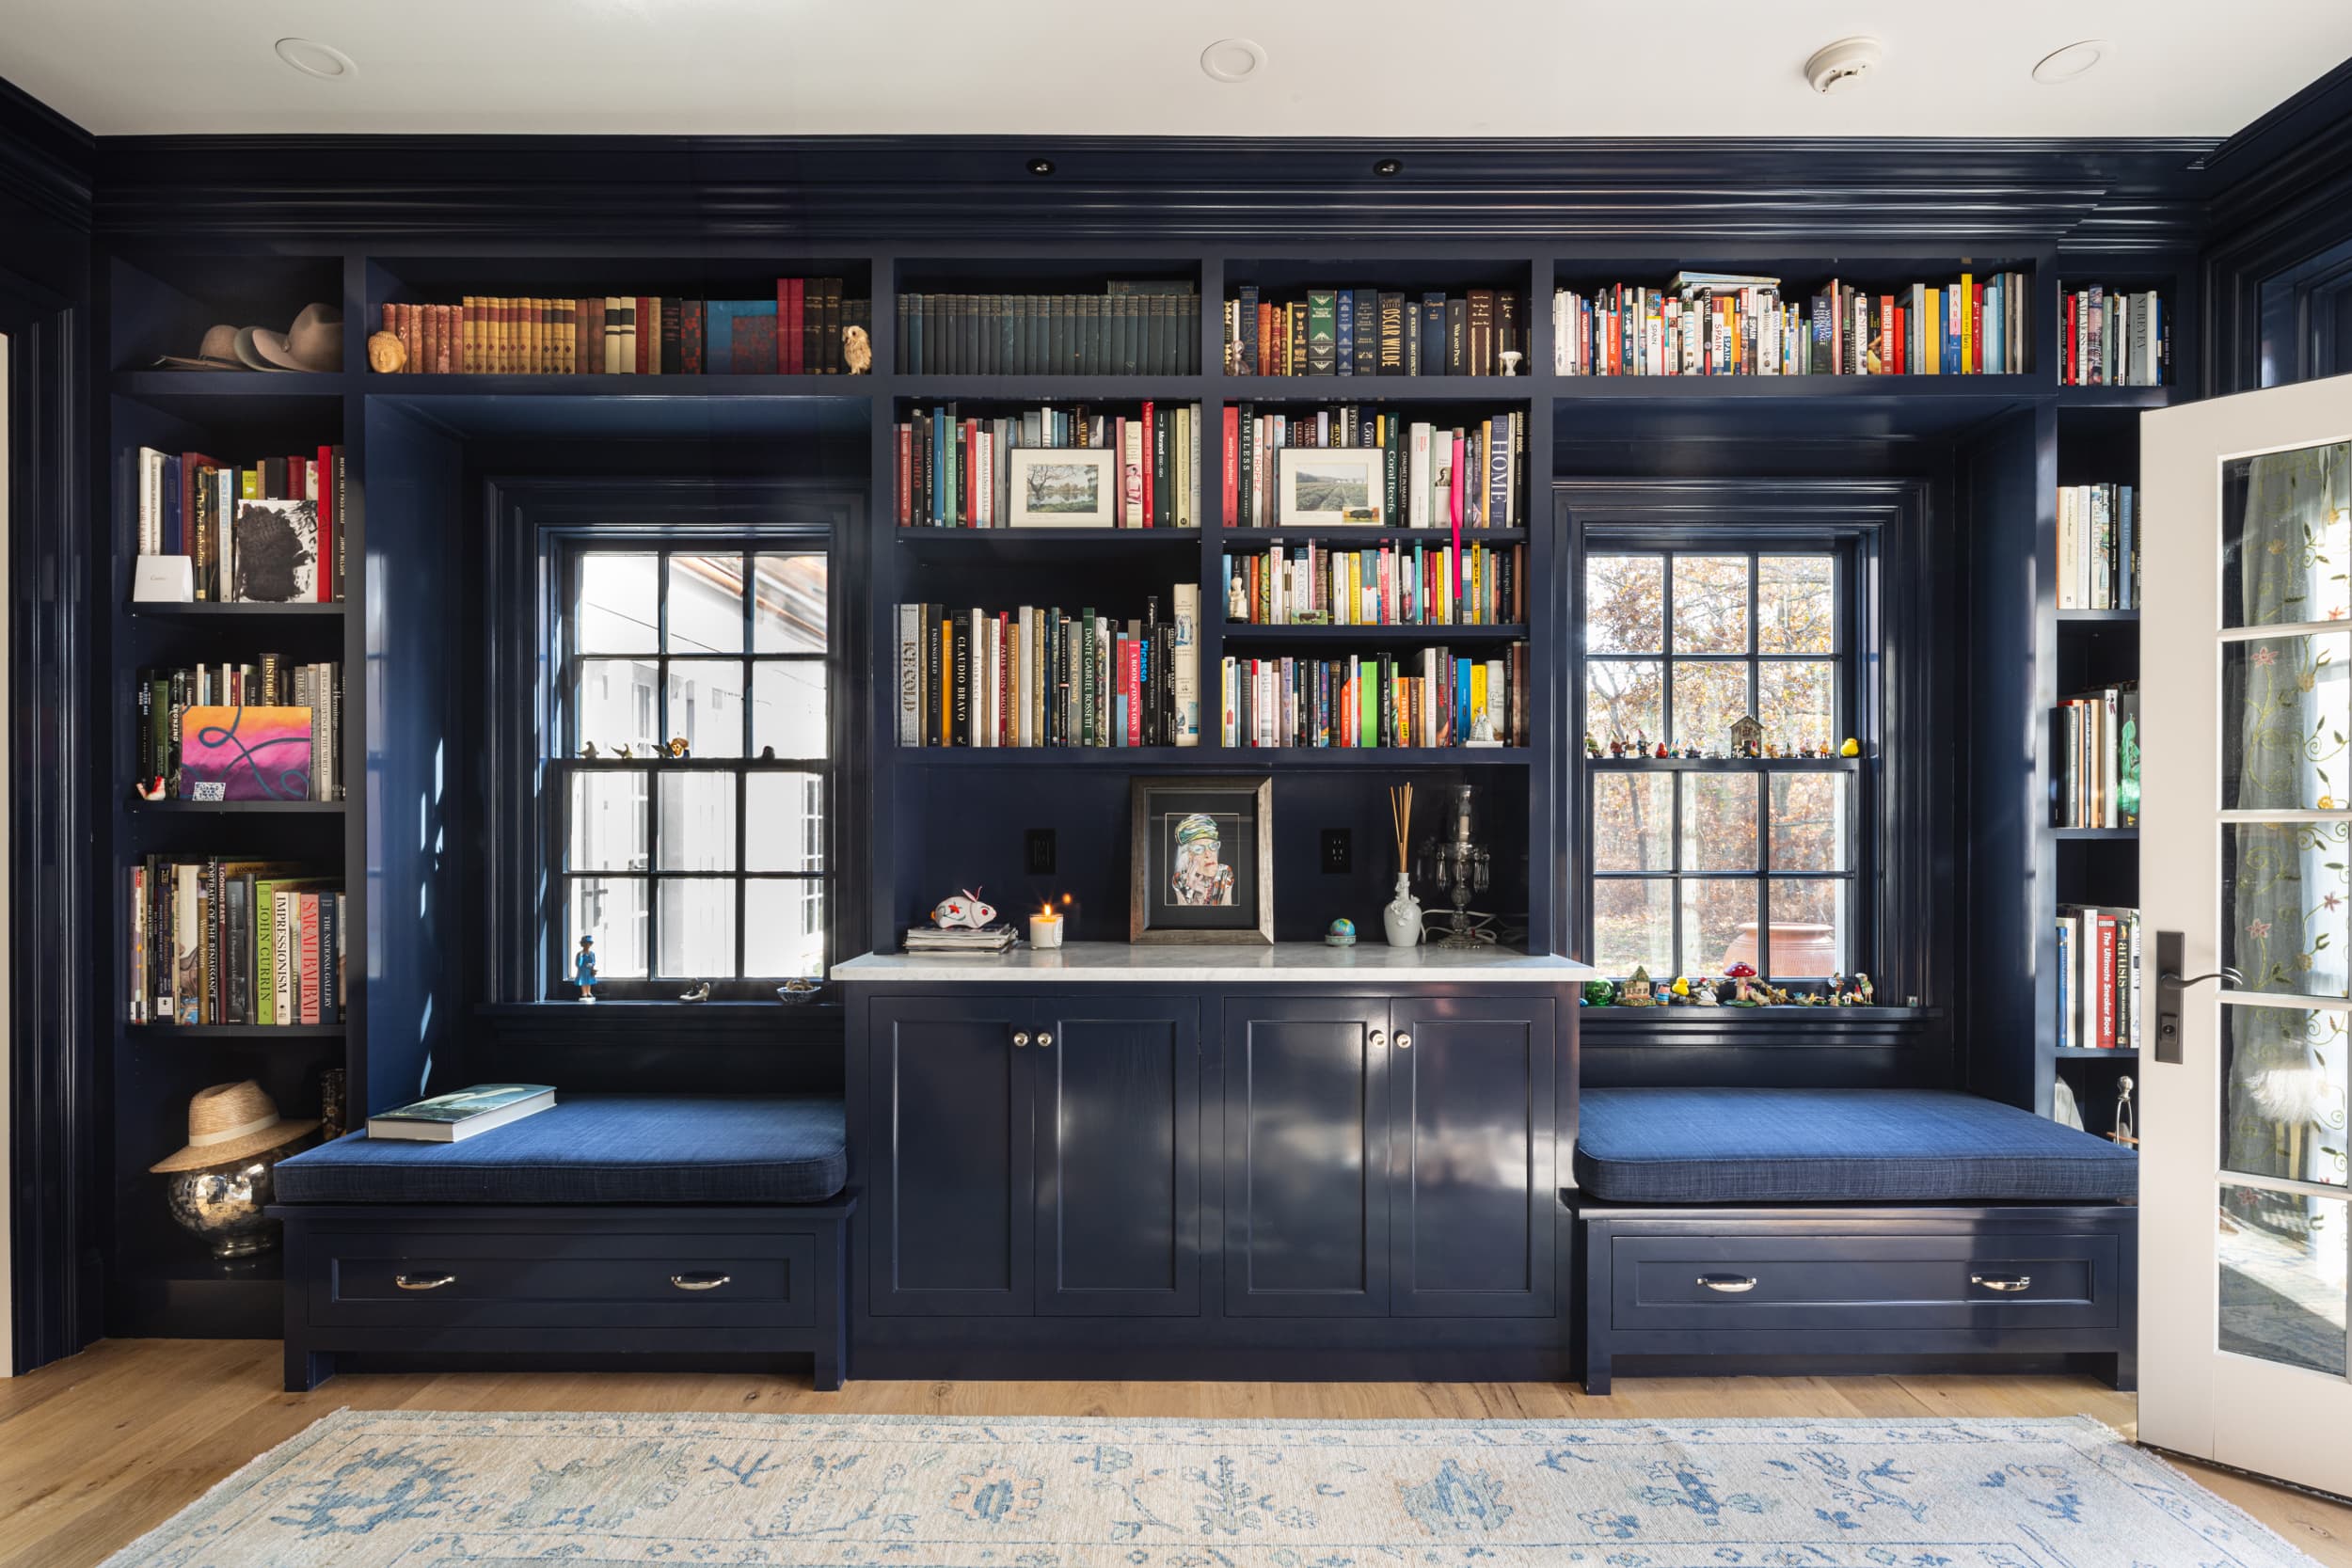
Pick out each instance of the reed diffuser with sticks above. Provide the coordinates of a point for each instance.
(1402, 917)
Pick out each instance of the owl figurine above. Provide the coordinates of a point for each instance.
(965, 910)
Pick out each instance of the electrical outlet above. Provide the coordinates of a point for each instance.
(1041, 851)
(1339, 851)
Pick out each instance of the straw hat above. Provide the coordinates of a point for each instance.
(230, 1122)
(314, 343)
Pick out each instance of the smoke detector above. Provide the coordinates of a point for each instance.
(1837, 67)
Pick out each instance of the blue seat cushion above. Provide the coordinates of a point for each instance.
(596, 1150)
(1836, 1146)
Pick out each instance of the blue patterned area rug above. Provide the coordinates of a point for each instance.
(418, 1489)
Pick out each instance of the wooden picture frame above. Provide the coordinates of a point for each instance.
(1187, 828)
(1332, 486)
(1063, 487)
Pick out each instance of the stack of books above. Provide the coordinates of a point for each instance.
(1039, 677)
(270, 532)
(1415, 583)
(1736, 324)
(1352, 332)
(2112, 338)
(165, 697)
(957, 470)
(234, 941)
(998, 938)
(2098, 978)
(2098, 746)
(1130, 328)
(1431, 698)
(1431, 475)
(798, 332)
(2098, 548)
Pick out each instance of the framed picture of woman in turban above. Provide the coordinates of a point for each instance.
(1202, 866)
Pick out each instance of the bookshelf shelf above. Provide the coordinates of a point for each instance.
(1048, 389)
(1249, 631)
(2096, 832)
(621, 386)
(978, 541)
(1745, 388)
(292, 1034)
(1262, 390)
(2093, 1054)
(209, 609)
(1433, 537)
(2115, 397)
(2124, 617)
(1227, 758)
(164, 385)
(233, 808)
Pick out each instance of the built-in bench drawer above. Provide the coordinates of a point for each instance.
(667, 1279)
(1797, 1281)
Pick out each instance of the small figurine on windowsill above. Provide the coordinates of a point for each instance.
(700, 994)
(1852, 748)
(1637, 989)
(588, 750)
(1617, 746)
(677, 746)
(1592, 745)
(1864, 996)
(1703, 995)
(1661, 753)
(1739, 975)
(1599, 993)
(585, 969)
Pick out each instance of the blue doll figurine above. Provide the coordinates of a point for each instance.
(585, 969)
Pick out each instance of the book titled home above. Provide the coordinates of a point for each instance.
(449, 1119)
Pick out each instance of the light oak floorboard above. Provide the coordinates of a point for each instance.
(109, 1444)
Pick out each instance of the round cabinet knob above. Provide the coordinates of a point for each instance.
(1021, 1037)
(1044, 1039)
(1405, 1042)
(1379, 1039)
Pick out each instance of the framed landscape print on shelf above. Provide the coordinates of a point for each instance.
(1332, 486)
(1201, 870)
(1064, 487)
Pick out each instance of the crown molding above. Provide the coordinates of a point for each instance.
(46, 161)
(1592, 193)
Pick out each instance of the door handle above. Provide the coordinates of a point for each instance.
(2007, 1283)
(423, 1282)
(2169, 985)
(1729, 1284)
(700, 1281)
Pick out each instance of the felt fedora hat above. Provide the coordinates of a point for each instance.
(218, 352)
(230, 1122)
(314, 343)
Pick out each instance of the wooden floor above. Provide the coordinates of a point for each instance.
(99, 1448)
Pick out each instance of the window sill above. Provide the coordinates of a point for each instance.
(1771, 1028)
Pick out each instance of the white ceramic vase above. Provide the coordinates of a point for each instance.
(1402, 917)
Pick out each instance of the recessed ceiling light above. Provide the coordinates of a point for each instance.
(1837, 66)
(313, 59)
(1231, 59)
(2064, 65)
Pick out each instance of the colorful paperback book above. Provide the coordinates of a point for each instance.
(453, 1117)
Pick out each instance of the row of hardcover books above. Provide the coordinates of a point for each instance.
(1430, 698)
(1731, 324)
(1469, 475)
(957, 470)
(2098, 548)
(1400, 584)
(1130, 328)
(1039, 677)
(2098, 978)
(798, 332)
(2098, 747)
(1376, 332)
(2109, 337)
(269, 532)
(234, 941)
(176, 704)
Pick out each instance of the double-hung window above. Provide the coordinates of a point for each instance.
(1698, 864)
(691, 785)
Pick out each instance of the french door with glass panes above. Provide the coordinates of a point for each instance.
(2246, 877)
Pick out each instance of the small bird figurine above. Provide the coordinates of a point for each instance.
(587, 748)
(621, 750)
(1852, 748)
(700, 994)
(153, 789)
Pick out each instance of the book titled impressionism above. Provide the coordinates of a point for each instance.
(449, 1119)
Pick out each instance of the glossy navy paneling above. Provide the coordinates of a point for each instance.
(404, 995)
(1474, 1185)
(1305, 1136)
(949, 1156)
(1117, 1128)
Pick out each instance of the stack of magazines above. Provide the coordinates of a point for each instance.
(998, 938)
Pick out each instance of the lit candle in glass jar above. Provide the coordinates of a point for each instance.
(1045, 928)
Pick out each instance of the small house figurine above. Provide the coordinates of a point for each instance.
(585, 969)
(1747, 736)
(1739, 975)
(1637, 989)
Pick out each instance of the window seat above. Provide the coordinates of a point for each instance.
(604, 1229)
(1836, 1145)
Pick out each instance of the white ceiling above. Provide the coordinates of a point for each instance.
(1353, 68)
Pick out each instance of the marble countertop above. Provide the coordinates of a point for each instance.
(1292, 962)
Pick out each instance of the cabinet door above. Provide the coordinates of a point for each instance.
(1117, 1155)
(948, 1093)
(1471, 1156)
(1306, 1131)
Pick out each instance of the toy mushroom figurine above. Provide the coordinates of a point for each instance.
(1739, 975)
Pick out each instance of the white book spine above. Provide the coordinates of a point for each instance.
(910, 674)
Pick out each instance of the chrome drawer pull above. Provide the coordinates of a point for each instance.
(2009, 1282)
(699, 1281)
(1729, 1284)
(423, 1282)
